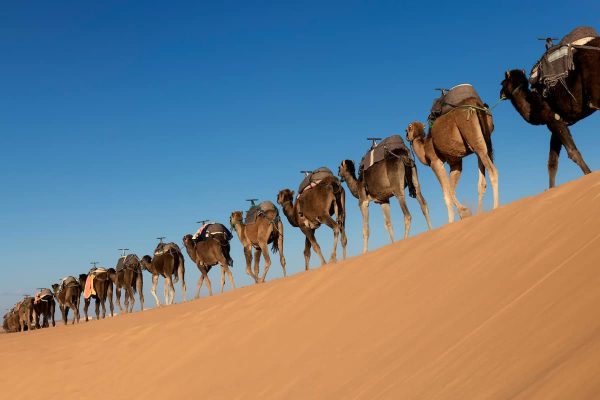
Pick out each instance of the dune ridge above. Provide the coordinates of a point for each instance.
(503, 305)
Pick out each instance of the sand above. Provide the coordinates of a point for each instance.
(503, 305)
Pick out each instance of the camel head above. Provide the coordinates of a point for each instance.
(236, 218)
(188, 241)
(284, 196)
(346, 167)
(513, 81)
(55, 288)
(415, 130)
(145, 262)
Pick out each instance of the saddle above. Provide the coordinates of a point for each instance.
(130, 261)
(258, 210)
(163, 248)
(450, 99)
(313, 178)
(392, 146)
(66, 282)
(210, 230)
(556, 63)
(43, 295)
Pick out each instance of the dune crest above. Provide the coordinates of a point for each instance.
(503, 305)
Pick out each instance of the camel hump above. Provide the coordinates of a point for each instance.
(391, 146)
(576, 35)
(313, 178)
(450, 99)
(215, 230)
(557, 61)
(258, 210)
(130, 261)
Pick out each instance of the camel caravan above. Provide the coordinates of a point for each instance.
(563, 88)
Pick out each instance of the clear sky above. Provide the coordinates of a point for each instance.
(124, 121)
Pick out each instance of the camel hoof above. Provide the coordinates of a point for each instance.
(465, 213)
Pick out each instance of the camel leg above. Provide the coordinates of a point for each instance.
(364, 210)
(86, 306)
(280, 245)
(199, 285)
(455, 173)
(139, 285)
(181, 273)
(208, 284)
(481, 185)
(109, 295)
(229, 275)
(63, 312)
(420, 198)
(129, 299)
(440, 173)
(97, 308)
(264, 247)
(396, 175)
(118, 296)
(555, 146)
(385, 209)
(248, 256)
(222, 279)
(493, 171)
(567, 140)
(153, 290)
(315, 245)
(167, 289)
(257, 253)
(341, 221)
(307, 246)
(52, 310)
(330, 222)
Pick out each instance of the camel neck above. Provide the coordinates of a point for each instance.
(531, 106)
(288, 211)
(351, 181)
(240, 229)
(418, 146)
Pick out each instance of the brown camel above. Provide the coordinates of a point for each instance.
(212, 249)
(128, 276)
(26, 313)
(68, 294)
(11, 321)
(263, 227)
(167, 261)
(325, 199)
(44, 306)
(562, 106)
(383, 180)
(453, 136)
(102, 290)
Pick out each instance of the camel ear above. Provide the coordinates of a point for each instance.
(524, 73)
(507, 74)
(293, 194)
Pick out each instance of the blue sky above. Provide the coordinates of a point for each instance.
(124, 121)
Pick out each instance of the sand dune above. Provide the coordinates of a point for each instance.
(500, 306)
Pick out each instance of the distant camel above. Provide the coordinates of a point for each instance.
(103, 290)
(11, 321)
(266, 228)
(319, 203)
(128, 276)
(206, 253)
(167, 261)
(563, 106)
(68, 294)
(383, 180)
(44, 306)
(452, 137)
(26, 314)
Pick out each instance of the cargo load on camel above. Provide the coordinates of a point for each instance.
(313, 178)
(556, 63)
(451, 99)
(392, 146)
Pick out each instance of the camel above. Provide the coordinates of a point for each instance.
(167, 261)
(103, 289)
(68, 294)
(383, 180)
(128, 276)
(563, 106)
(453, 136)
(327, 198)
(11, 321)
(26, 314)
(266, 228)
(210, 251)
(44, 306)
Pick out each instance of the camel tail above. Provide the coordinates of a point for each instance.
(340, 199)
(275, 237)
(180, 267)
(487, 132)
(134, 281)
